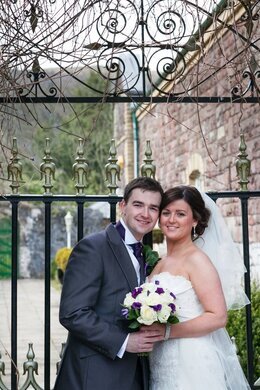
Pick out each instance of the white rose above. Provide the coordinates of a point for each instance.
(142, 297)
(166, 297)
(153, 299)
(149, 287)
(129, 300)
(147, 315)
(164, 314)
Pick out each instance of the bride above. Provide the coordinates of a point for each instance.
(201, 270)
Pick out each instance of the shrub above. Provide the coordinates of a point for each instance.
(62, 257)
(5, 267)
(236, 327)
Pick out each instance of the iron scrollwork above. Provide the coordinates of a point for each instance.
(251, 78)
(35, 76)
(134, 49)
(249, 84)
(141, 45)
(135, 46)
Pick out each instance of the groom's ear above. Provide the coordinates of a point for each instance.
(121, 205)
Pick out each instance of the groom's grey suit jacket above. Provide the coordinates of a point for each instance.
(98, 276)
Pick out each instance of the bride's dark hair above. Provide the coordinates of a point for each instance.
(193, 197)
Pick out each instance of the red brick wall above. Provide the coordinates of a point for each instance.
(175, 135)
(174, 140)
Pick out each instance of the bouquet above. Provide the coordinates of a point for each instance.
(149, 303)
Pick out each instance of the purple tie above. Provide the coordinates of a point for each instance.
(138, 251)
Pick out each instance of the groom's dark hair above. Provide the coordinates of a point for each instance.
(145, 184)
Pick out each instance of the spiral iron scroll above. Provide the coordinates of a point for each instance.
(162, 28)
(36, 88)
(251, 79)
(138, 45)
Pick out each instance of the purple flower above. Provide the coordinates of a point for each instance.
(159, 290)
(136, 292)
(173, 307)
(136, 305)
(157, 307)
(125, 312)
(173, 295)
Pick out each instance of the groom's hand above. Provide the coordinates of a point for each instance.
(143, 340)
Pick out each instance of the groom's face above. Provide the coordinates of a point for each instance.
(140, 213)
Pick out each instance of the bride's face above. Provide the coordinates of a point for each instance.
(176, 220)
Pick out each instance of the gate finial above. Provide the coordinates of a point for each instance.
(30, 367)
(14, 169)
(112, 169)
(80, 169)
(243, 165)
(148, 168)
(47, 169)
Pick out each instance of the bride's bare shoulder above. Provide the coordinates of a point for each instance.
(198, 257)
(160, 266)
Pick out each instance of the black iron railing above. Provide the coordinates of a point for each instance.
(81, 202)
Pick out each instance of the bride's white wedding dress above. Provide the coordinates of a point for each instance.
(200, 363)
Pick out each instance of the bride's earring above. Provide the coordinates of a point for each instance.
(194, 234)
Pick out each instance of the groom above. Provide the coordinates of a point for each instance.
(100, 353)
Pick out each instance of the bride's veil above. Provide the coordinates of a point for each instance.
(218, 244)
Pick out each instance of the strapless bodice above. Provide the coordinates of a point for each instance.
(187, 303)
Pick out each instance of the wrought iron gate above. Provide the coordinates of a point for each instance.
(140, 49)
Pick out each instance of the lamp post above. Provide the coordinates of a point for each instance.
(68, 222)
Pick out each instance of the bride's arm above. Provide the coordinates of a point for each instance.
(207, 285)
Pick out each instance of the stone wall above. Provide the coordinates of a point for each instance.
(32, 233)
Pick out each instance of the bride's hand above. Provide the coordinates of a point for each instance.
(157, 327)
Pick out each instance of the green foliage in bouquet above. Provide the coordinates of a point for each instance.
(236, 327)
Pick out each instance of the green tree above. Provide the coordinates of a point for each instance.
(91, 122)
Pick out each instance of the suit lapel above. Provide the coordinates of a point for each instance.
(122, 256)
